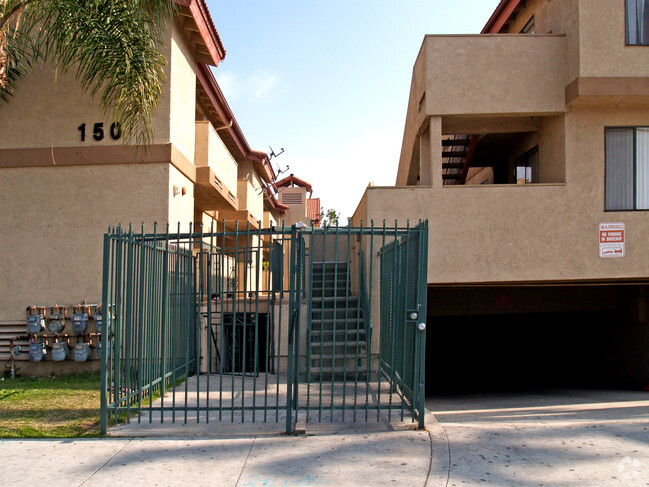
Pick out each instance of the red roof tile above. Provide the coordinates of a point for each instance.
(294, 181)
(313, 209)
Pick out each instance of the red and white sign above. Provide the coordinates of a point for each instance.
(611, 240)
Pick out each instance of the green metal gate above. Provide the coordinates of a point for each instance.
(271, 325)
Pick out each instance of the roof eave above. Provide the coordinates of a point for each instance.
(201, 15)
(500, 16)
(217, 99)
(292, 179)
(274, 204)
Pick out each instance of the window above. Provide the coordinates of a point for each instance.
(637, 22)
(627, 168)
(529, 27)
(527, 167)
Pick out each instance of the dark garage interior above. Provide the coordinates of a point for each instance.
(528, 338)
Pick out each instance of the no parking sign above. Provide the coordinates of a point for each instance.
(611, 240)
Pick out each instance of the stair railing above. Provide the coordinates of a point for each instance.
(468, 159)
(459, 162)
(364, 302)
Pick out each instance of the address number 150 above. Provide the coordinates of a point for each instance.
(115, 131)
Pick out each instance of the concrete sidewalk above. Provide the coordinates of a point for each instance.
(356, 457)
(564, 438)
(226, 450)
(552, 438)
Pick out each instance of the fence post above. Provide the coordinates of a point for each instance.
(103, 421)
(422, 286)
(292, 312)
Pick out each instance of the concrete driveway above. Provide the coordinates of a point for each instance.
(558, 438)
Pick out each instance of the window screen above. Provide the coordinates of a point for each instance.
(627, 168)
(637, 22)
(619, 169)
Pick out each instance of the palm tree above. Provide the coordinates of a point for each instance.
(112, 46)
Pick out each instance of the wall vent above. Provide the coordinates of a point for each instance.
(291, 198)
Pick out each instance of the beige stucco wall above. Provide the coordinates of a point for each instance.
(602, 39)
(562, 17)
(211, 151)
(360, 214)
(209, 225)
(251, 198)
(51, 238)
(296, 212)
(517, 233)
(507, 74)
(47, 110)
(271, 218)
(595, 36)
(552, 153)
(182, 89)
(181, 207)
(415, 117)
(49, 106)
(247, 171)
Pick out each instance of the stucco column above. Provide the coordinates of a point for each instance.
(425, 168)
(435, 150)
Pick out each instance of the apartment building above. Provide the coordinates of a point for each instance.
(65, 175)
(526, 149)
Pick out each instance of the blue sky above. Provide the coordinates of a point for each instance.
(329, 81)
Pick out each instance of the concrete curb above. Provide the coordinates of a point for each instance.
(439, 452)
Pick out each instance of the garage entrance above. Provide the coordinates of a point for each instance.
(528, 338)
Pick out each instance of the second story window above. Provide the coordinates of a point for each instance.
(627, 168)
(637, 22)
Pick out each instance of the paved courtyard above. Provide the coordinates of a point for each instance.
(557, 438)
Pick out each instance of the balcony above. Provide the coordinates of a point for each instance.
(251, 207)
(476, 85)
(488, 74)
(216, 172)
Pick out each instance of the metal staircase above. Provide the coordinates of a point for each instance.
(457, 153)
(337, 333)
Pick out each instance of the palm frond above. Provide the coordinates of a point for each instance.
(18, 50)
(113, 47)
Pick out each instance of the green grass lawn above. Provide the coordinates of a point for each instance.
(50, 407)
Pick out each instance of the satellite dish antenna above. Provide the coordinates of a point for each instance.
(272, 153)
(270, 157)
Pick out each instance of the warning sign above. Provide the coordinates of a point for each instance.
(611, 240)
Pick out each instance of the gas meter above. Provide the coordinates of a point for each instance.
(80, 319)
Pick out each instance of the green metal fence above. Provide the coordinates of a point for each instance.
(403, 310)
(150, 334)
(244, 325)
